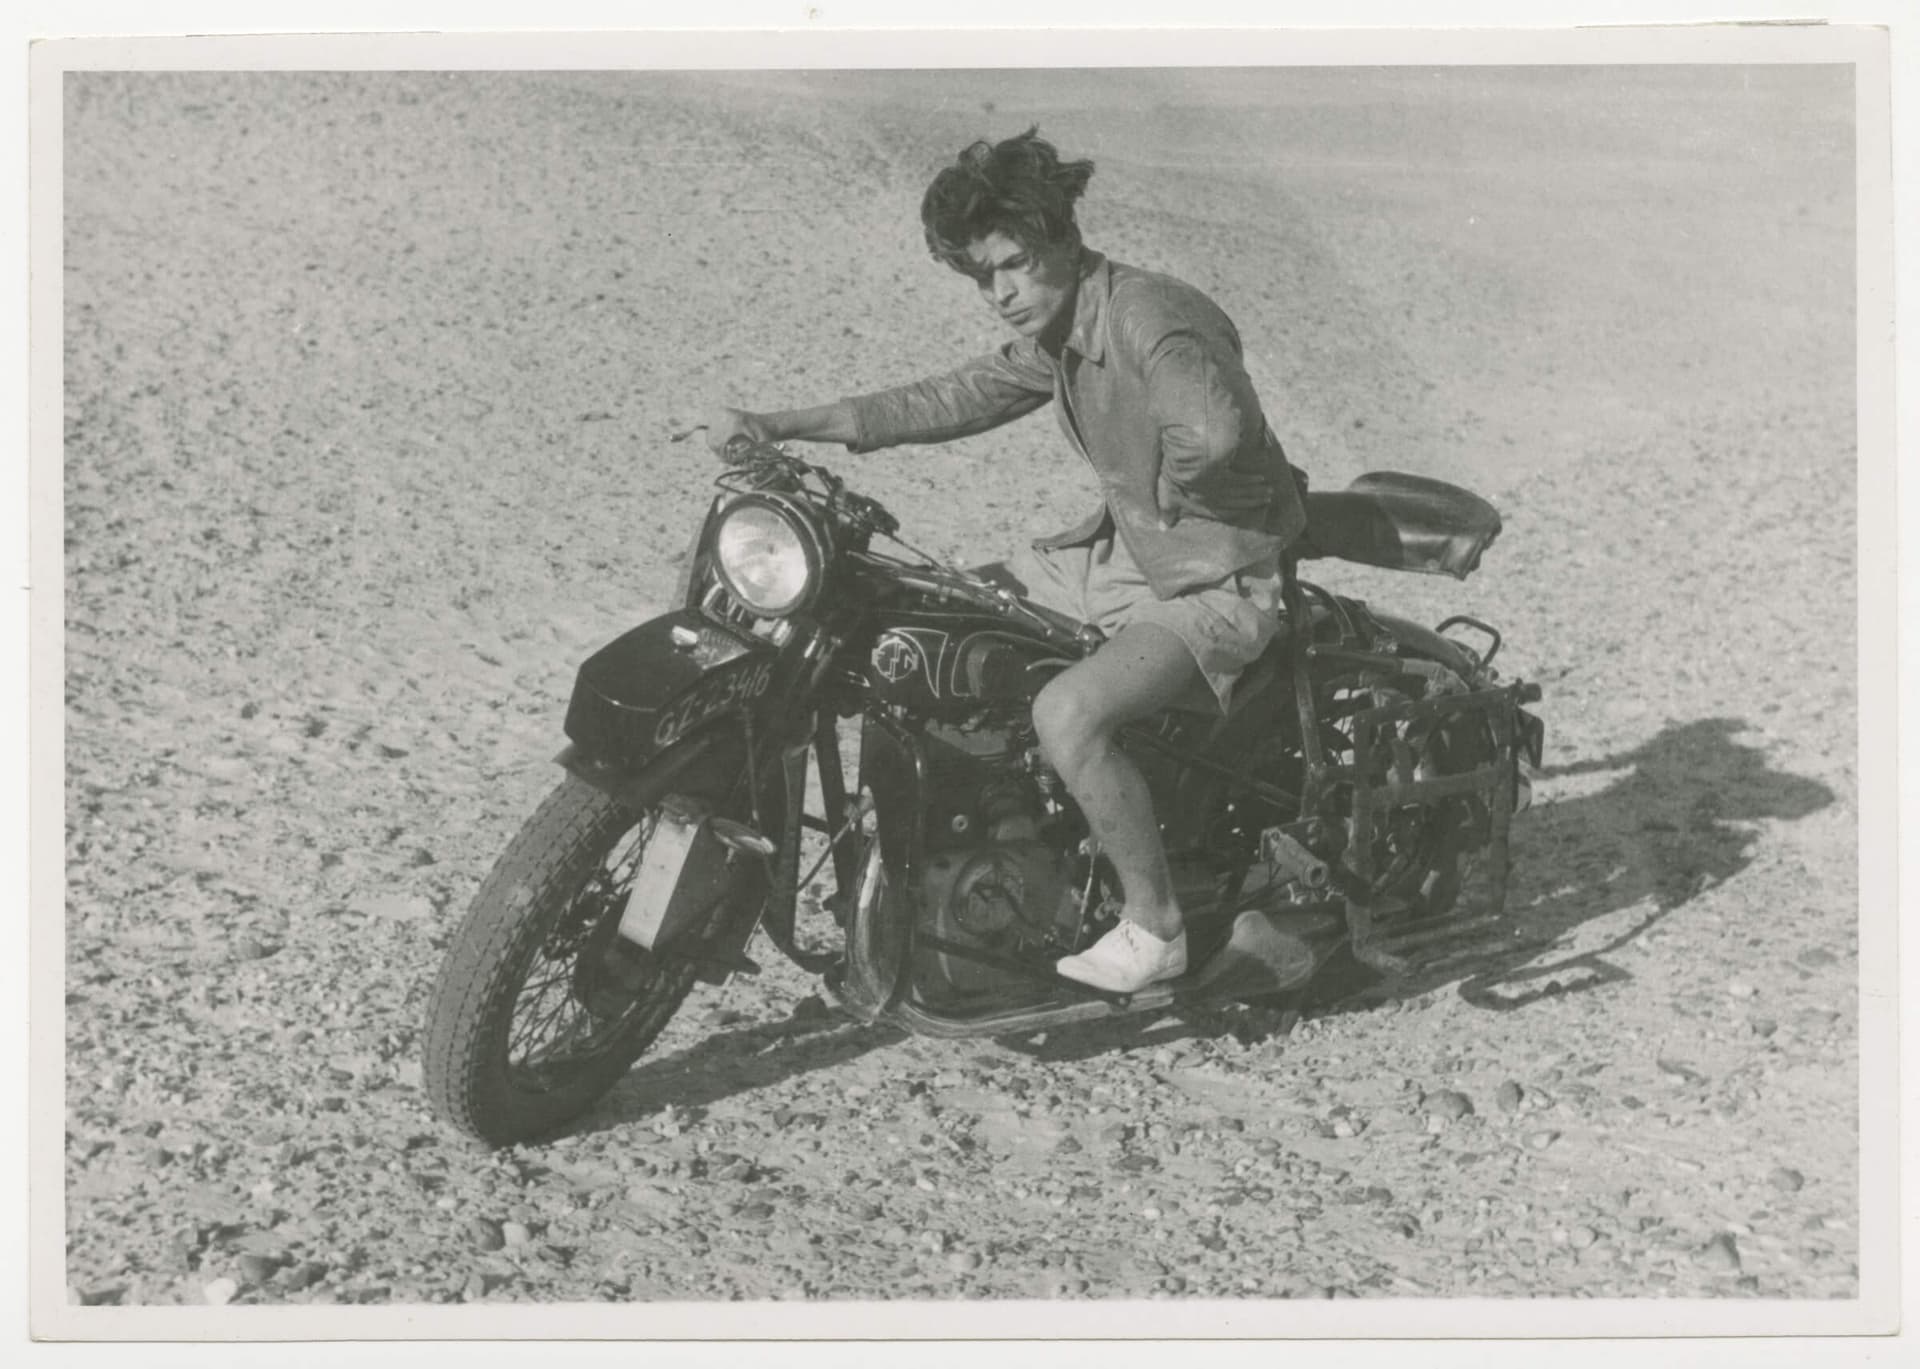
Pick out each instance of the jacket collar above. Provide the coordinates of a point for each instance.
(1088, 335)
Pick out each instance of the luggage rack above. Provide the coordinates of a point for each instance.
(1377, 729)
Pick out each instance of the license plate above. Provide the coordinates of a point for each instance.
(729, 687)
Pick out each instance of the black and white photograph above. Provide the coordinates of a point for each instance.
(1208, 686)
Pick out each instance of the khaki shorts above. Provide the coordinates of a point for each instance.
(1226, 625)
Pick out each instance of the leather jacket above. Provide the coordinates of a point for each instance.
(1148, 386)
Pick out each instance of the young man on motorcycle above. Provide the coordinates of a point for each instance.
(1180, 565)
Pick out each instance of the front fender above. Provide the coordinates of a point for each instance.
(723, 748)
(664, 681)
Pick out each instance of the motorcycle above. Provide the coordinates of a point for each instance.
(1364, 766)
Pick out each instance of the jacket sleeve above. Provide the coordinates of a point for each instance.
(983, 393)
(1212, 433)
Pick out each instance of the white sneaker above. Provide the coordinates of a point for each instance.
(1126, 959)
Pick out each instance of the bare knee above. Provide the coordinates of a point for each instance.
(1072, 728)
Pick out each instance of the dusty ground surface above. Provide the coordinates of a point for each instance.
(368, 380)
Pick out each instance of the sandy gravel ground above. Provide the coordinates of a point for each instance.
(367, 384)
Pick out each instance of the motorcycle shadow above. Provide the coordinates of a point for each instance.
(1595, 871)
(1645, 833)
(728, 1063)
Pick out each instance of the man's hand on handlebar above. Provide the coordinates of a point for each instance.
(727, 427)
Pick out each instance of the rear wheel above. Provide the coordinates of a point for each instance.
(1419, 853)
(541, 1006)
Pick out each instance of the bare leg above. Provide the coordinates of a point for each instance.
(1076, 715)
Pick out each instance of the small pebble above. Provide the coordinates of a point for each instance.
(304, 1276)
(1787, 1180)
(1509, 1096)
(963, 1261)
(515, 1233)
(1719, 1254)
(1581, 1237)
(1448, 1103)
(257, 1269)
(1540, 1140)
(220, 1292)
(1740, 989)
(486, 1233)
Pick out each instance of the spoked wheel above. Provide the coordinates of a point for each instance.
(541, 1005)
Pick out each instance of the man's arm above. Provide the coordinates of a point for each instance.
(997, 388)
(981, 394)
(832, 422)
(1211, 429)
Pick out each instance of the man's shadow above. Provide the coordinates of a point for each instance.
(1646, 831)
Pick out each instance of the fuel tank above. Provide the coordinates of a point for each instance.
(949, 664)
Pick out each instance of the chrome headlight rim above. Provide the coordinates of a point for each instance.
(810, 538)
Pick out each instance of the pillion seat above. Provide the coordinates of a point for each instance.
(1401, 522)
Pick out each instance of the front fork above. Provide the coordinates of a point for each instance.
(784, 897)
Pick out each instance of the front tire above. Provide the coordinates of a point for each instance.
(540, 1007)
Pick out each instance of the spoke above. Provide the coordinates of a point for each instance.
(535, 1026)
(565, 972)
(562, 1038)
(540, 1050)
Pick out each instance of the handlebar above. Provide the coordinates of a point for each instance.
(769, 465)
(753, 466)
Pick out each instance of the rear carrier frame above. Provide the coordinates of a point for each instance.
(1376, 731)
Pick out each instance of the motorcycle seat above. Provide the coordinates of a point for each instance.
(1401, 522)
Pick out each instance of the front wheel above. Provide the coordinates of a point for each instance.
(541, 1006)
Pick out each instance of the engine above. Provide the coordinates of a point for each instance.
(1000, 873)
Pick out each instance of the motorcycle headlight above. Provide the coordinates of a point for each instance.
(769, 556)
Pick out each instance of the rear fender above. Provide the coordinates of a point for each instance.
(1425, 642)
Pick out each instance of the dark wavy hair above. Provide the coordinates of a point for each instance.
(1019, 187)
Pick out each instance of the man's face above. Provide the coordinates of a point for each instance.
(1031, 289)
